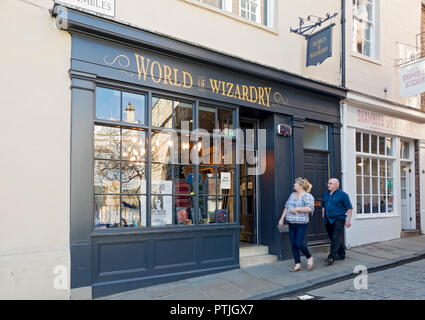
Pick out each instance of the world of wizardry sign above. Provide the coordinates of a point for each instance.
(159, 71)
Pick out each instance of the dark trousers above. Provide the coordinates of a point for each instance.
(297, 233)
(336, 235)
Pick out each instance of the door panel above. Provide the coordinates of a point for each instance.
(316, 170)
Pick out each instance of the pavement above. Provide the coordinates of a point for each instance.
(274, 280)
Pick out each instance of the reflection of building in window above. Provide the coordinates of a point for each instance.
(364, 27)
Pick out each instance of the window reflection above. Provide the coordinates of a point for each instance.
(162, 112)
(108, 104)
(133, 108)
(107, 142)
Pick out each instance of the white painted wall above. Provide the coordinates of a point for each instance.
(214, 29)
(400, 22)
(35, 151)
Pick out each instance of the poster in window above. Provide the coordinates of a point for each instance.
(221, 216)
(161, 207)
(225, 181)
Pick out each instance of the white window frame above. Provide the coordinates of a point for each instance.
(373, 29)
(250, 12)
(389, 160)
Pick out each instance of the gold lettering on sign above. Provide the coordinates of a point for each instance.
(171, 76)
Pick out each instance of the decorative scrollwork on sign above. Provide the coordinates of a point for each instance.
(119, 58)
(279, 99)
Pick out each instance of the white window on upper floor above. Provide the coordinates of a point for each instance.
(257, 11)
(365, 26)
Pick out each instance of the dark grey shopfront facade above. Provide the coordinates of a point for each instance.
(124, 60)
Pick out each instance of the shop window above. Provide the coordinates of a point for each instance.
(128, 177)
(374, 174)
(404, 150)
(315, 136)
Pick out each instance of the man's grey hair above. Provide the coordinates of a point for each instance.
(336, 181)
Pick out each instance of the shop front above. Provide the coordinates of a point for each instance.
(177, 155)
(384, 161)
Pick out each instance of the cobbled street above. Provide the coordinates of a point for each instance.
(406, 282)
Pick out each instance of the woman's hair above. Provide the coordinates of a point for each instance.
(303, 182)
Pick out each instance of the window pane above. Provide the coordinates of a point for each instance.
(229, 151)
(389, 169)
(208, 180)
(374, 167)
(382, 168)
(161, 175)
(133, 211)
(162, 209)
(366, 184)
(359, 185)
(225, 209)
(374, 144)
(106, 176)
(358, 142)
(183, 112)
(184, 209)
(133, 177)
(366, 148)
(382, 145)
(133, 145)
(382, 186)
(184, 179)
(225, 181)
(214, 3)
(389, 146)
(162, 112)
(164, 147)
(359, 204)
(133, 108)
(225, 121)
(107, 142)
(366, 207)
(315, 136)
(404, 150)
(390, 206)
(207, 207)
(359, 165)
(108, 104)
(375, 205)
(366, 166)
(390, 184)
(375, 186)
(106, 211)
(368, 11)
(207, 119)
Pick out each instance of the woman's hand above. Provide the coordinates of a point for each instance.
(294, 211)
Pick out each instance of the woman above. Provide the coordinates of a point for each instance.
(297, 209)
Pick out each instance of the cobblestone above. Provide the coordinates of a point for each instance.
(406, 282)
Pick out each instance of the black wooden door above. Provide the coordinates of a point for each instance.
(316, 170)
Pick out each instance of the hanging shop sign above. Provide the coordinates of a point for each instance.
(319, 46)
(104, 7)
(412, 79)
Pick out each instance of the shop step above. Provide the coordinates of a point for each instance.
(410, 233)
(250, 261)
(252, 250)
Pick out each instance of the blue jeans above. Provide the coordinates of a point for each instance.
(297, 233)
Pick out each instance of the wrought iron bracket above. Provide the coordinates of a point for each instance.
(315, 22)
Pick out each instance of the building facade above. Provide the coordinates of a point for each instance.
(157, 137)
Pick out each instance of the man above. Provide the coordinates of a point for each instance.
(336, 212)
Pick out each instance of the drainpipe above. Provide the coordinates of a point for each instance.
(343, 20)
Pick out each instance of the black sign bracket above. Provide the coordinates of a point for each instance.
(315, 22)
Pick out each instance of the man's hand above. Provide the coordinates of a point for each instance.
(293, 211)
(348, 223)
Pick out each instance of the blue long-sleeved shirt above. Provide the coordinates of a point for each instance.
(336, 205)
